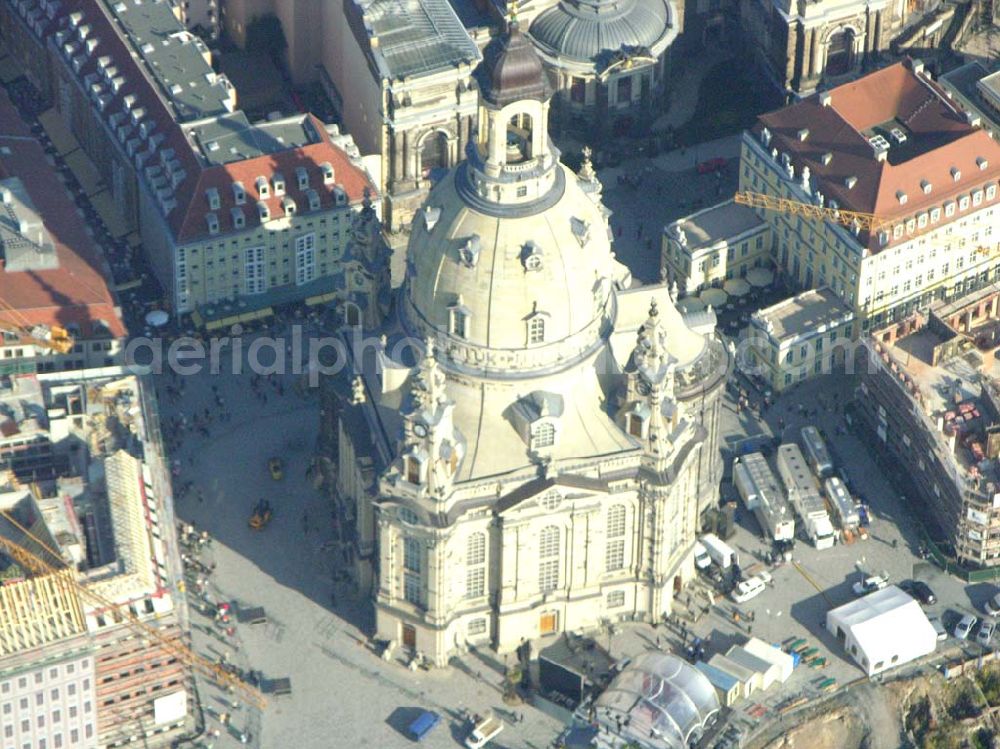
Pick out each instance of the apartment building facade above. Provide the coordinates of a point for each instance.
(711, 246)
(188, 170)
(889, 145)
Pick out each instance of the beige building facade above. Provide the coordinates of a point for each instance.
(533, 450)
(908, 158)
(711, 246)
(805, 336)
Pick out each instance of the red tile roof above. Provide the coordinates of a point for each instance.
(77, 291)
(187, 220)
(191, 223)
(893, 93)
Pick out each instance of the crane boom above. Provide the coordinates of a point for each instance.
(180, 651)
(852, 219)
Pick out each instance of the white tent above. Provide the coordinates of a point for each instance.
(771, 654)
(883, 629)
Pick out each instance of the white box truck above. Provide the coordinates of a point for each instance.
(803, 495)
(762, 494)
(720, 552)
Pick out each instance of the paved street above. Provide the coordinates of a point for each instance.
(646, 194)
(343, 695)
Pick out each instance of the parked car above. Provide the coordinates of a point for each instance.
(964, 627)
(751, 587)
(942, 633)
(993, 605)
(985, 633)
(423, 725)
(870, 584)
(923, 593)
(277, 468)
(711, 165)
(919, 590)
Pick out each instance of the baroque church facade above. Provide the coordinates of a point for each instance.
(530, 443)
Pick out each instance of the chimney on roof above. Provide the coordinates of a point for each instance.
(765, 137)
(973, 119)
(917, 66)
(826, 99)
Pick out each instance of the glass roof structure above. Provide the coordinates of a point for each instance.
(661, 700)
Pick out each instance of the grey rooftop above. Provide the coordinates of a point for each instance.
(813, 311)
(231, 137)
(174, 57)
(716, 223)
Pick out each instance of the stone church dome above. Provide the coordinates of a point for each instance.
(586, 30)
(519, 279)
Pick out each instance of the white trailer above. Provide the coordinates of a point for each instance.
(720, 552)
(803, 495)
(844, 509)
(762, 495)
(816, 450)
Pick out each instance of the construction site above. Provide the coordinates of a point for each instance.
(84, 560)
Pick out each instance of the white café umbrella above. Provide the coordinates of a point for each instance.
(691, 304)
(760, 276)
(714, 297)
(736, 286)
(157, 318)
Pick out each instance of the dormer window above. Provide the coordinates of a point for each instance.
(339, 196)
(239, 193)
(956, 174)
(925, 186)
(239, 220)
(213, 223)
(901, 197)
(302, 177)
(289, 206)
(458, 320)
(531, 257)
(213, 198)
(263, 189)
(263, 211)
(536, 330)
(468, 253)
(327, 169)
(982, 163)
(313, 198)
(279, 184)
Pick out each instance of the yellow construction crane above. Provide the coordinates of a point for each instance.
(867, 221)
(52, 337)
(858, 219)
(210, 669)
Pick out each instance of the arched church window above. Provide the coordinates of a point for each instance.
(412, 466)
(614, 550)
(548, 559)
(433, 153)
(475, 563)
(634, 425)
(519, 133)
(840, 52)
(352, 314)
